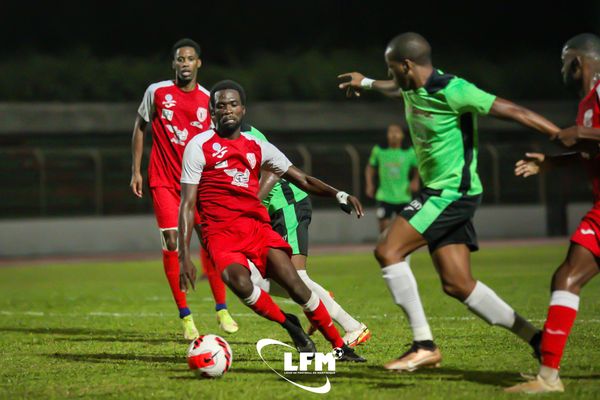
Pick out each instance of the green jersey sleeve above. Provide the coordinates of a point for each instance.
(463, 96)
(374, 158)
(257, 134)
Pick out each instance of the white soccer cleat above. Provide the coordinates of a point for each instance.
(537, 385)
(359, 336)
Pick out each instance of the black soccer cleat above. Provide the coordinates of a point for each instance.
(302, 341)
(347, 354)
(536, 345)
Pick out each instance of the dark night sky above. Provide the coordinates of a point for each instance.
(492, 29)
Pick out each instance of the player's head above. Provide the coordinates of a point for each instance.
(579, 53)
(395, 135)
(227, 106)
(404, 54)
(186, 60)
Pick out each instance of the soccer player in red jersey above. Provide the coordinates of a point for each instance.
(177, 111)
(221, 170)
(581, 72)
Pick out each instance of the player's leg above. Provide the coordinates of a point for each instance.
(580, 266)
(281, 270)
(395, 244)
(292, 223)
(452, 261)
(166, 208)
(217, 287)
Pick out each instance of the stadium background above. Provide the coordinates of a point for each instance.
(71, 79)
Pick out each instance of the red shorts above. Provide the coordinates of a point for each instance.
(166, 207)
(245, 239)
(587, 233)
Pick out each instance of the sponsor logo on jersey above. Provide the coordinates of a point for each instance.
(251, 159)
(219, 151)
(167, 114)
(221, 164)
(587, 232)
(239, 178)
(169, 101)
(180, 135)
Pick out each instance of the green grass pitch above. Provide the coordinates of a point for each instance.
(110, 330)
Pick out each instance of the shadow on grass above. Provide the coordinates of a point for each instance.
(108, 357)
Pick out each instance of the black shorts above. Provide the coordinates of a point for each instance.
(389, 210)
(292, 222)
(443, 218)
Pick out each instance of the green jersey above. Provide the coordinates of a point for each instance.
(393, 168)
(442, 119)
(284, 192)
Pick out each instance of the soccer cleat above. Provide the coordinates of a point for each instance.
(359, 336)
(226, 322)
(311, 328)
(346, 353)
(302, 342)
(537, 385)
(417, 356)
(189, 328)
(536, 345)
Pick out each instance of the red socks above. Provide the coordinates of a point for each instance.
(217, 286)
(171, 266)
(561, 316)
(319, 316)
(261, 303)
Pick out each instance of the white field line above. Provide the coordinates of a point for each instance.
(237, 315)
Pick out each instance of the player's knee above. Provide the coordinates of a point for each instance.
(387, 255)
(240, 283)
(566, 278)
(455, 290)
(169, 240)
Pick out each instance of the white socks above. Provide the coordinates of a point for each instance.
(312, 303)
(403, 288)
(253, 298)
(485, 303)
(338, 314)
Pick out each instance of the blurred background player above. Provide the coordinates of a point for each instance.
(397, 179)
(581, 72)
(290, 211)
(177, 111)
(221, 169)
(441, 112)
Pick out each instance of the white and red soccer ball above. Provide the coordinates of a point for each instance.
(209, 356)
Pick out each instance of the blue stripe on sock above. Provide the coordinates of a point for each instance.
(184, 312)
(221, 306)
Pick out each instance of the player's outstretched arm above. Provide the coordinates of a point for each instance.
(187, 269)
(535, 163)
(317, 187)
(137, 149)
(504, 109)
(268, 179)
(355, 82)
(574, 134)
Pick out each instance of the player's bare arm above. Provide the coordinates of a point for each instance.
(505, 109)
(267, 180)
(355, 82)
(574, 134)
(536, 163)
(137, 149)
(370, 173)
(187, 269)
(317, 187)
(415, 181)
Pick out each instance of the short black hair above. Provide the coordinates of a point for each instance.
(410, 46)
(586, 43)
(185, 42)
(224, 85)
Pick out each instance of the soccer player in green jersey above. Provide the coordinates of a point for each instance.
(290, 210)
(395, 169)
(441, 111)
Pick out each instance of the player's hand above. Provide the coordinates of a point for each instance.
(370, 191)
(568, 136)
(136, 184)
(351, 83)
(357, 206)
(530, 166)
(187, 273)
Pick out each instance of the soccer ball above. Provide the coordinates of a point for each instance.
(209, 356)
